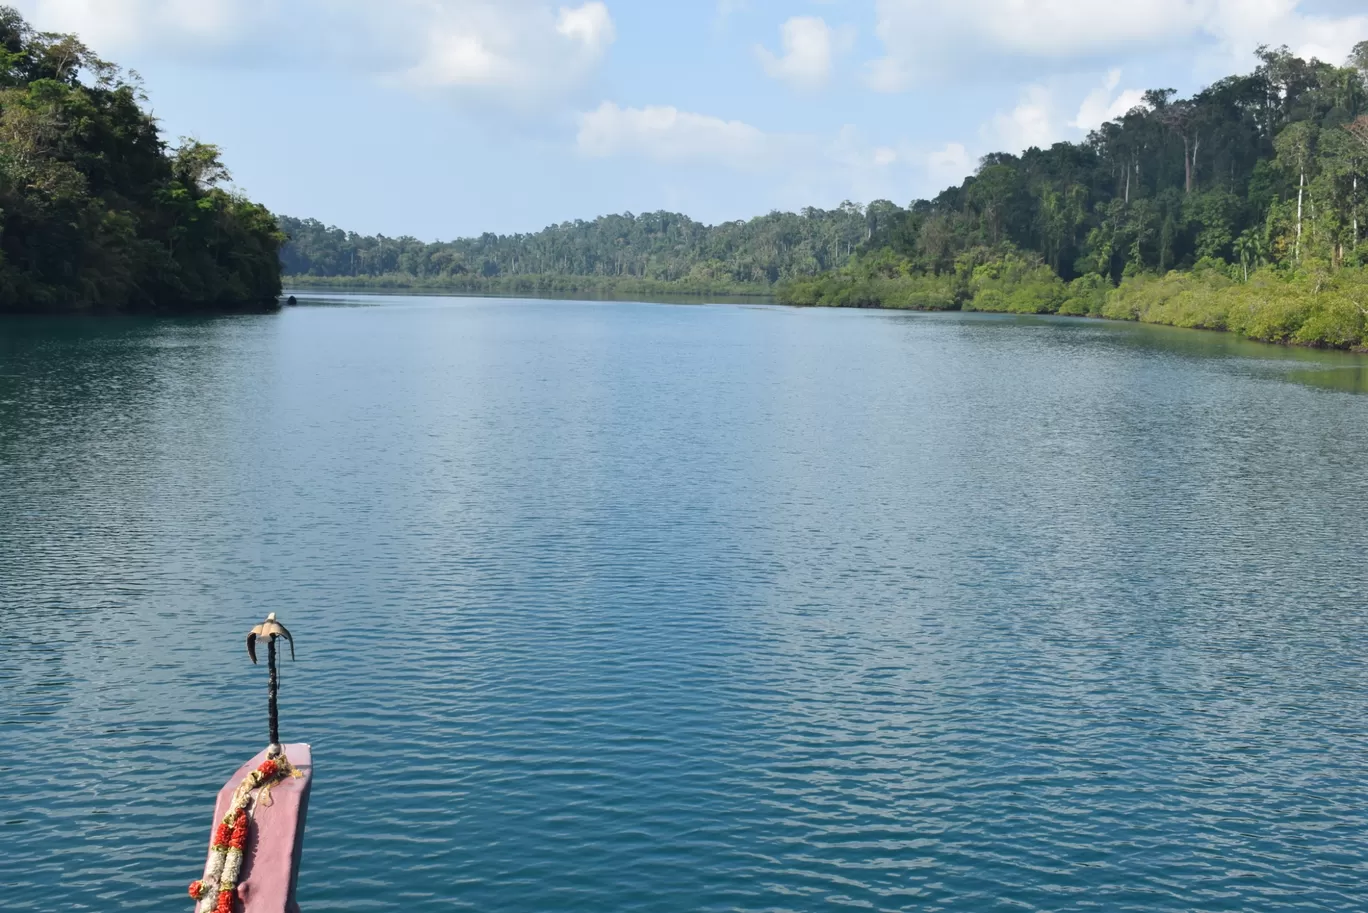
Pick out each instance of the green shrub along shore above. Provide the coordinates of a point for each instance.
(1318, 307)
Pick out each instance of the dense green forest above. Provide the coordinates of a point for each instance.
(1244, 207)
(96, 213)
(1241, 208)
(610, 252)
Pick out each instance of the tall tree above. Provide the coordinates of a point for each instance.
(1358, 62)
(1359, 131)
(1295, 146)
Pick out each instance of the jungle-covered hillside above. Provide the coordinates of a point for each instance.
(96, 212)
(657, 247)
(1241, 208)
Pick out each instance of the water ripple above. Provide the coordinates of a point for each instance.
(632, 607)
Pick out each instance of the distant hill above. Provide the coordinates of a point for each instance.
(658, 246)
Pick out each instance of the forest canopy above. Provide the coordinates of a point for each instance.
(658, 246)
(1242, 207)
(96, 213)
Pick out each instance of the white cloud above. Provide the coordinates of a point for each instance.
(809, 46)
(1036, 120)
(1101, 105)
(924, 38)
(118, 25)
(805, 168)
(519, 52)
(666, 134)
(663, 133)
(590, 25)
(1030, 123)
(1242, 25)
(949, 164)
(515, 51)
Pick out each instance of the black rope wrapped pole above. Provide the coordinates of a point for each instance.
(274, 707)
(270, 629)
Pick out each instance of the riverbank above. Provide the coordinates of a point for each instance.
(1317, 309)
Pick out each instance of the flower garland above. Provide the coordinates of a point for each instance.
(215, 891)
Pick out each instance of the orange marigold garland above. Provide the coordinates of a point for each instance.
(215, 891)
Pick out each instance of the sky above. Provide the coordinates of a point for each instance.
(449, 118)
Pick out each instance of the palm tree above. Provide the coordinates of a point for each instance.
(1251, 250)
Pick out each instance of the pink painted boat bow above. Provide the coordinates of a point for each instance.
(271, 866)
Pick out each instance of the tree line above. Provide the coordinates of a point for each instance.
(96, 212)
(657, 247)
(1251, 194)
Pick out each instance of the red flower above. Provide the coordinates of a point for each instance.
(196, 889)
(225, 902)
(222, 835)
(238, 840)
(268, 769)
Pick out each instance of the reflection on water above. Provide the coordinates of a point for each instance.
(371, 298)
(617, 606)
(1346, 379)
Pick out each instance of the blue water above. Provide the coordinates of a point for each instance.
(630, 607)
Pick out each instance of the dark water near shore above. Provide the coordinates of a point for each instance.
(630, 607)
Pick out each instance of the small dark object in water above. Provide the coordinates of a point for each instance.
(292, 300)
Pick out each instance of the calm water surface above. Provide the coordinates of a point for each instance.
(627, 607)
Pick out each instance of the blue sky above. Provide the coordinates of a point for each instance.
(444, 118)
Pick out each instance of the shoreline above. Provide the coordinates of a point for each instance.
(773, 299)
(1098, 318)
(532, 284)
